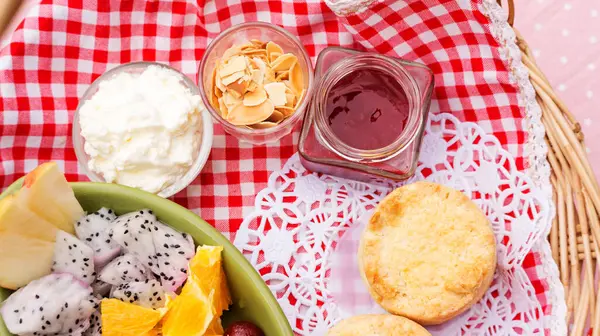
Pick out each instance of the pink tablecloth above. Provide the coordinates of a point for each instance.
(565, 38)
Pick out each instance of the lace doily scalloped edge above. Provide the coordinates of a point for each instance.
(535, 151)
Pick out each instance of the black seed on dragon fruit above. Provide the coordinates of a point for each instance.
(124, 269)
(147, 293)
(55, 304)
(72, 256)
(173, 252)
(132, 231)
(163, 250)
(93, 229)
(95, 328)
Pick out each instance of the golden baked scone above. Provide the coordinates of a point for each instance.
(428, 253)
(380, 325)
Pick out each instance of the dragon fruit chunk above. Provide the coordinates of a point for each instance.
(173, 252)
(101, 288)
(95, 328)
(93, 229)
(147, 293)
(71, 255)
(54, 304)
(133, 231)
(124, 269)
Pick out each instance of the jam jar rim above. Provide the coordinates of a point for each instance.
(342, 68)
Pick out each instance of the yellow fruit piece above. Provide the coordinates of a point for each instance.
(190, 314)
(17, 218)
(206, 270)
(46, 192)
(23, 259)
(215, 328)
(127, 319)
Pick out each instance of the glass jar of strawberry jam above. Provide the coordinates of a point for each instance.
(367, 115)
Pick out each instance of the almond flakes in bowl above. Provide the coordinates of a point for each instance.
(257, 85)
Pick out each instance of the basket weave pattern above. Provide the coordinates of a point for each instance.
(575, 230)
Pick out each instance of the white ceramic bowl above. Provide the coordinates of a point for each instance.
(136, 68)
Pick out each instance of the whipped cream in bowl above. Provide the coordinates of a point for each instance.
(143, 125)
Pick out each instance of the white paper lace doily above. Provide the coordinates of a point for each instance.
(535, 151)
(299, 219)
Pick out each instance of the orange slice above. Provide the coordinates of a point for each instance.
(207, 271)
(215, 328)
(127, 319)
(191, 313)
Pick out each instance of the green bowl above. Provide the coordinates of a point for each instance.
(252, 299)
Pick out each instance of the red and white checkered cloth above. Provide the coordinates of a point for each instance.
(63, 45)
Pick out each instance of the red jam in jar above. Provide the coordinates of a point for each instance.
(367, 116)
(369, 102)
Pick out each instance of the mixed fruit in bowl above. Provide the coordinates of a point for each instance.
(103, 274)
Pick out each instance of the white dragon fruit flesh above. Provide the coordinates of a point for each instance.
(133, 231)
(147, 293)
(72, 256)
(55, 304)
(95, 328)
(93, 229)
(173, 252)
(124, 269)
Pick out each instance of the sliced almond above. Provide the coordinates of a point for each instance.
(258, 43)
(236, 94)
(269, 76)
(288, 86)
(255, 98)
(219, 83)
(286, 111)
(283, 62)
(218, 92)
(282, 76)
(223, 108)
(276, 92)
(299, 101)
(229, 53)
(258, 76)
(214, 90)
(290, 99)
(241, 86)
(233, 65)
(232, 78)
(231, 100)
(263, 125)
(296, 78)
(255, 53)
(260, 64)
(273, 56)
(248, 115)
(273, 47)
(252, 86)
(257, 85)
(276, 117)
(248, 46)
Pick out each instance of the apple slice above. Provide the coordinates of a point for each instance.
(46, 192)
(17, 218)
(23, 259)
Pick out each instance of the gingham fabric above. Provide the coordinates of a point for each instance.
(62, 46)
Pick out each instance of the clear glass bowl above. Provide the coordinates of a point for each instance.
(240, 34)
(137, 68)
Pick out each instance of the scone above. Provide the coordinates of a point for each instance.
(428, 253)
(380, 325)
